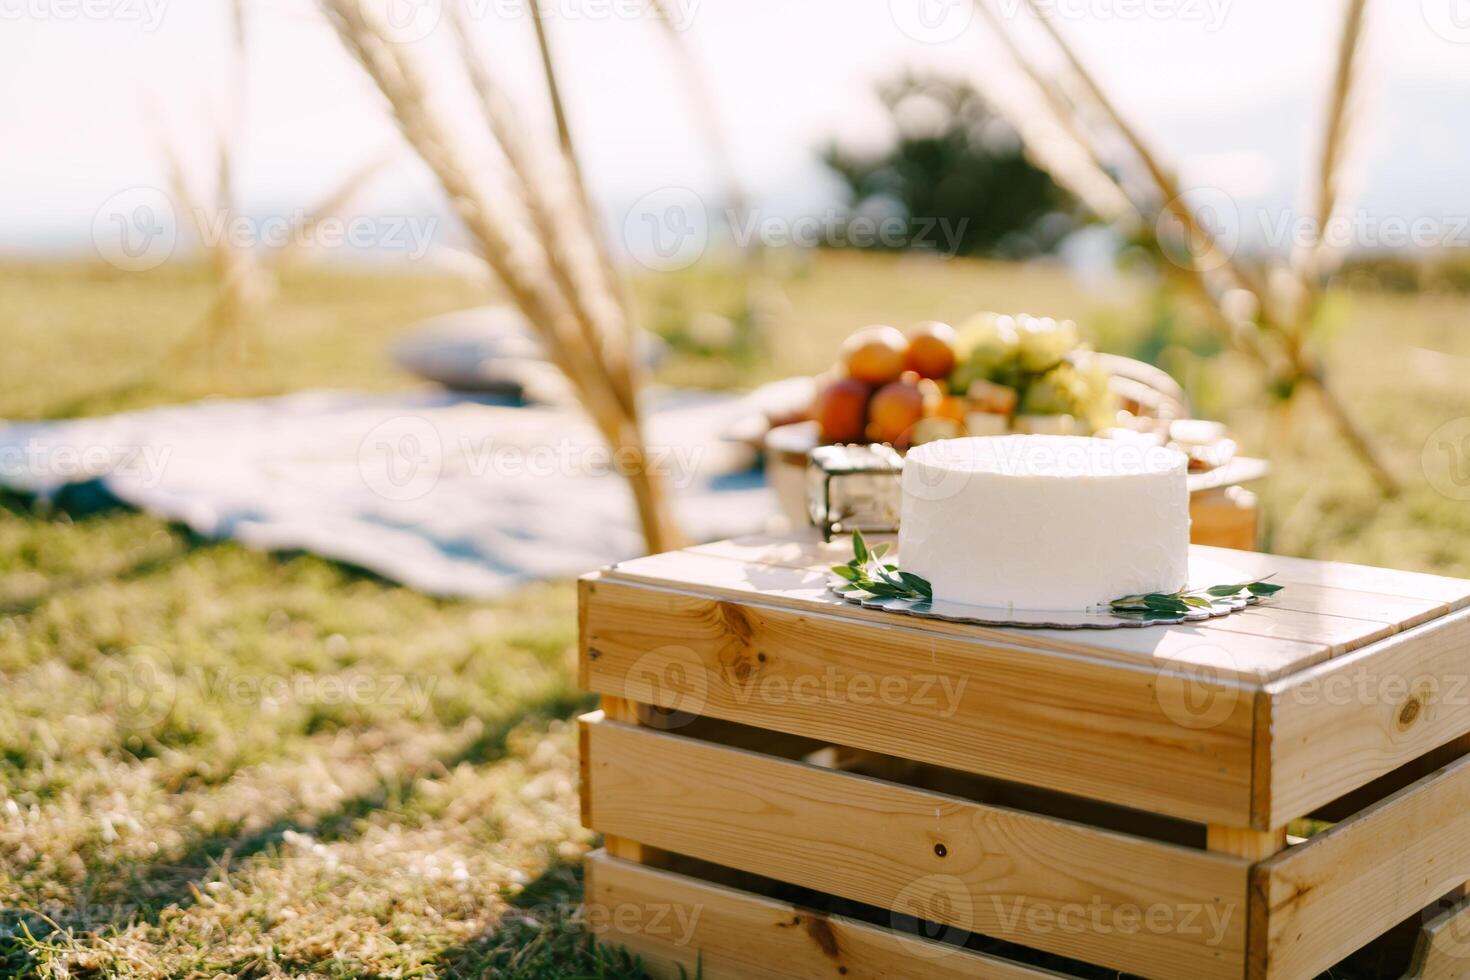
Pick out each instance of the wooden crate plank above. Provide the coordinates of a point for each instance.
(1320, 901)
(1228, 517)
(1168, 911)
(1342, 724)
(806, 550)
(1174, 744)
(1443, 952)
(673, 921)
(1224, 649)
(1452, 592)
(1253, 845)
(1307, 591)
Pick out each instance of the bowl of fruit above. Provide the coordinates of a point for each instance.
(991, 375)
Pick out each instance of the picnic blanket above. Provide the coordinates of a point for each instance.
(452, 495)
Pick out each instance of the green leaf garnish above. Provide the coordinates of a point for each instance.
(870, 574)
(1223, 591)
(867, 572)
(1158, 605)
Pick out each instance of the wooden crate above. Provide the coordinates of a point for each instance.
(1116, 800)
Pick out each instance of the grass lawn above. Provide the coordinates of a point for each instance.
(214, 761)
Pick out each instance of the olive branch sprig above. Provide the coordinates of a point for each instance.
(1158, 605)
(868, 571)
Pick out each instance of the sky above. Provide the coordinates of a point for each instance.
(1228, 89)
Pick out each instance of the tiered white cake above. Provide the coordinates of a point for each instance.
(1044, 522)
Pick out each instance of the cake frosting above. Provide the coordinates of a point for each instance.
(1044, 522)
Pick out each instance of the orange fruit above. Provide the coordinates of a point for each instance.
(875, 355)
(842, 410)
(893, 412)
(931, 350)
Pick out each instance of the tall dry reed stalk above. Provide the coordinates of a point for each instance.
(1265, 311)
(244, 279)
(541, 252)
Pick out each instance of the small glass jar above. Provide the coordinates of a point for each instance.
(854, 487)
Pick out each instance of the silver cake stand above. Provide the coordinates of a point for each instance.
(1203, 573)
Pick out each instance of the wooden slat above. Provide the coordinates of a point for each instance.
(809, 551)
(1253, 845)
(1318, 902)
(1027, 879)
(1341, 619)
(1443, 952)
(1454, 593)
(1229, 650)
(806, 550)
(1153, 740)
(674, 921)
(1347, 722)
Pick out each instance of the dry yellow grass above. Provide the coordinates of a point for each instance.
(262, 825)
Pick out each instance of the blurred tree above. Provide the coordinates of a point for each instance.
(956, 175)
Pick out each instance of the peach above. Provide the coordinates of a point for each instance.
(931, 351)
(875, 355)
(893, 412)
(842, 410)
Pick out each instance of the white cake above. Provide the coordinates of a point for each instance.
(1044, 522)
